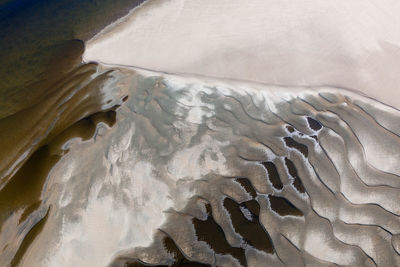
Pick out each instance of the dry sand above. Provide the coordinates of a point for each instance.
(180, 141)
(347, 44)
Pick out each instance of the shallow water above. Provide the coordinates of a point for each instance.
(37, 41)
(120, 166)
(197, 170)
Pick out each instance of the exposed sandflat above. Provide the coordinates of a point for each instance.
(351, 44)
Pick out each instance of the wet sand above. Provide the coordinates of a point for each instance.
(47, 97)
(224, 172)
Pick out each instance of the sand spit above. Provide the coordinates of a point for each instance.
(349, 44)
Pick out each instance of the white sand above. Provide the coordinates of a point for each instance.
(349, 44)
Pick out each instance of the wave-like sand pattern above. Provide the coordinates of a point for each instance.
(200, 171)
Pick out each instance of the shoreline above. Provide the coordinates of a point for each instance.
(32, 36)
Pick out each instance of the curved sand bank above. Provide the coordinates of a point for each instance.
(338, 43)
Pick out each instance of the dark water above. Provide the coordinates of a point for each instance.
(47, 97)
(35, 37)
(41, 44)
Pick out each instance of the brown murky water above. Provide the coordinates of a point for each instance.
(47, 97)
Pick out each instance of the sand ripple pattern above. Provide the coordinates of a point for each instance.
(203, 172)
(287, 177)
